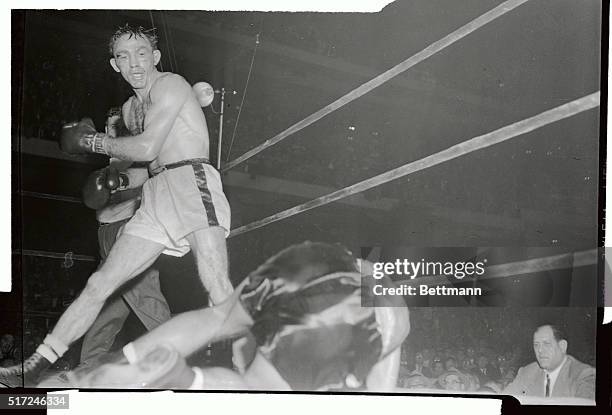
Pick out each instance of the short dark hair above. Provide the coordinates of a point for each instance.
(138, 31)
(308, 260)
(557, 330)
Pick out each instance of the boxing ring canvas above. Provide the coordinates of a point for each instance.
(439, 134)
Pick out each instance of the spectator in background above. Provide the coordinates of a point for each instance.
(427, 360)
(417, 381)
(419, 367)
(554, 373)
(437, 368)
(460, 355)
(450, 364)
(468, 365)
(7, 348)
(457, 381)
(485, 371)
(507, 377)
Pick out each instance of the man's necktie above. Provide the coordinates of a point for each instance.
(547, 385)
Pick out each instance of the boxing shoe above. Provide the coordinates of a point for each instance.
(26, 375)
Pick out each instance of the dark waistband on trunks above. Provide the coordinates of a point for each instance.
(170, 166)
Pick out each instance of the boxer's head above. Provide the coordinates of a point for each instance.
(134, 54)
(301, 263)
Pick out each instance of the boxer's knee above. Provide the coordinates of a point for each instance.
(209, 240)
(151, 276)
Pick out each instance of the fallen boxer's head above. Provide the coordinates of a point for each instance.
(301, 263)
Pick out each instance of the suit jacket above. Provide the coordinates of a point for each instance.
(575, 379)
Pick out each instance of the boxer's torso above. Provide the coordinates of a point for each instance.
(188, 137)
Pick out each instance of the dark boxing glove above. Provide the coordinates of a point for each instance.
(116, 180)
(96, 193)
(80, 137)
(101, 184)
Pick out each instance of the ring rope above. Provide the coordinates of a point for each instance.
(56, 255)
(430, 50)
(49, 196)
(477, 143)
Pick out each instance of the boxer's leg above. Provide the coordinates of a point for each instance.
(147, 301)
(101, 336)
(130, 256)
(210, 250)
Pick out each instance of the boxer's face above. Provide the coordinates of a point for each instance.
(135, 59)
(549, 352)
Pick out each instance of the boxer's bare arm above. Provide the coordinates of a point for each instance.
(384, 374)
(120, 164)
(137, 177)
(168, 95)
(192, 330)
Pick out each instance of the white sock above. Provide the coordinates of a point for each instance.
(56, 345)
(47, 353)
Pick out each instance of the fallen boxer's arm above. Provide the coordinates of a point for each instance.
(190, 331)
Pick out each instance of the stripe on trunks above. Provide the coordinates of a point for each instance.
(200, 175)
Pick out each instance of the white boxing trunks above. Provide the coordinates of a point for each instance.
(179, 199)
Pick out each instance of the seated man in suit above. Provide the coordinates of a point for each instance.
(555, 373)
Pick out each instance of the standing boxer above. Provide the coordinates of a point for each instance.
(144, 298)
(183, 206)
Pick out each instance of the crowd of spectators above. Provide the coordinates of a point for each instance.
(471, 368)
(9, 350)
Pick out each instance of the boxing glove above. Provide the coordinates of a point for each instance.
(116, 180)
(76, 137)
(96, 193)
(101, 184)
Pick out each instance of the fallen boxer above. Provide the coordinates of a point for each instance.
(304, 308)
